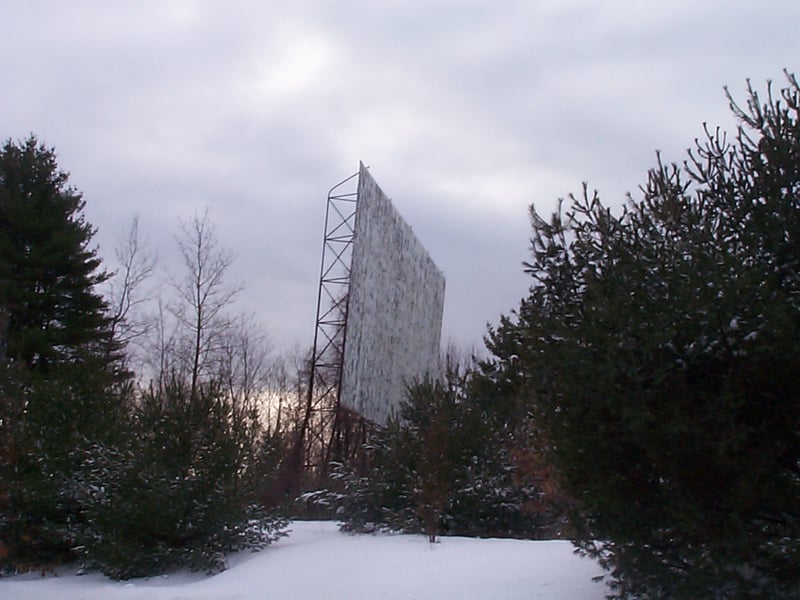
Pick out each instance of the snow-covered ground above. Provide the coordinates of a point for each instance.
(318, 562)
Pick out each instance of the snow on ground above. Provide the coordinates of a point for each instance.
(316, 561)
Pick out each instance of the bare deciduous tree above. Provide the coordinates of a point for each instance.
(203, 297)
(126, 296)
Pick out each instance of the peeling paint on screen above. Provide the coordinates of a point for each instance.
(394, 317)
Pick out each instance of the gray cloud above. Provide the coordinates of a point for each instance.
(468, 112)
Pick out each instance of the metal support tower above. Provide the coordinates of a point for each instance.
(322, 403)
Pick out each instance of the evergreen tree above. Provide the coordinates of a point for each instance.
(182, 490)
(48, 272)
(446, 466)
(661, 352)
(59, 362)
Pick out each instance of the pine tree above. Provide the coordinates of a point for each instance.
(181, 491)
(47, 270)
(661, 352)
(59, 362)
(449, 465)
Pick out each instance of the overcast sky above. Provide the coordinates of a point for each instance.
(466, 111)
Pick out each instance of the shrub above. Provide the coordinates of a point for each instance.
(179, 492)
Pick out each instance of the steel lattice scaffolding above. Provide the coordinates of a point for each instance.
(322, 419)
